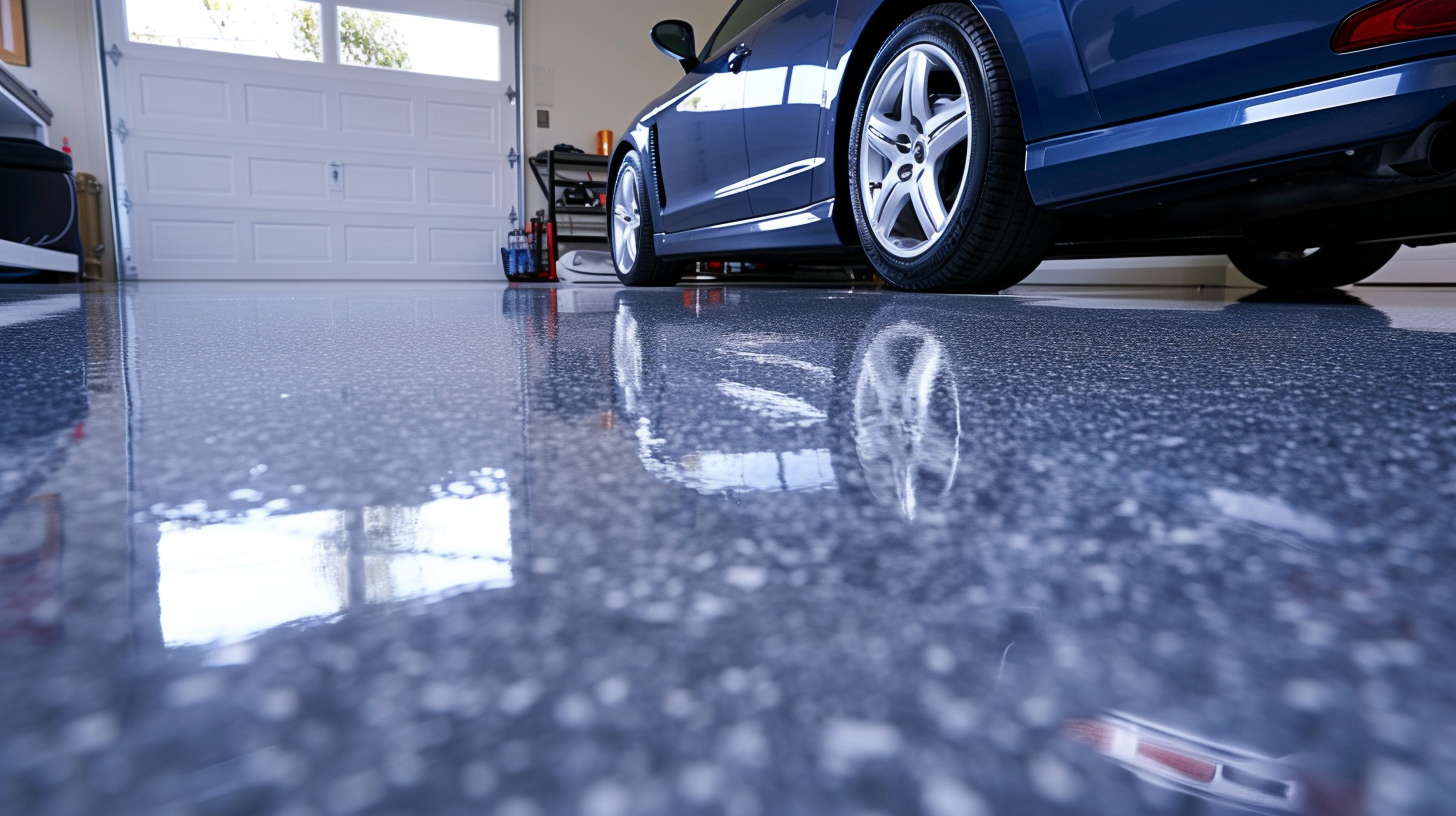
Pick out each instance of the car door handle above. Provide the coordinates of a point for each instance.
(735, 59)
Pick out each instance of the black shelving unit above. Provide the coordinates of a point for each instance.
(548, 171)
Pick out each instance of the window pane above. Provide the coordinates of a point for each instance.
(426, 45)
(739, 20)
(262, 28)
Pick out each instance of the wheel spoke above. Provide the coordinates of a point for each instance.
(915, 102)
(881, 135)
(889, 205)
(928, 207)
(945, 132)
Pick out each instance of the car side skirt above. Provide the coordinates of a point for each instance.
(805, 228)
(1084, 170)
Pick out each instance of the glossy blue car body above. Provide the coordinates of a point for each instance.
(1125, 104)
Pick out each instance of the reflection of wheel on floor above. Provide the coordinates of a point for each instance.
(907, 419)
(633, 250)
(1323, 268)
(936, 176)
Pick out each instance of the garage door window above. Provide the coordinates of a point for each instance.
(286, 29)
(427, 45)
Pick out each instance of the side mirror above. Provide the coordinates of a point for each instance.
(675, 39)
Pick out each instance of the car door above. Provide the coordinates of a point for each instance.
(1145, 57)
(700, 149)
(700, 136)
(783, 102)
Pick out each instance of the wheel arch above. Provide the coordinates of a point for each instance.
(641, 138)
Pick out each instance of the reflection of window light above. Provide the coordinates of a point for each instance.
(230, 581)
(764, 89)
(760, 471)
(722, 92)
(833, 79)
(735, 471)
(262, 28)
(806, 87)
(425, 45)
(807, 470)
(454, 543)
(226, 582)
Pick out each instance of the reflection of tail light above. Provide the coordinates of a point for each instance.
(1096, 734)
(1191, 767)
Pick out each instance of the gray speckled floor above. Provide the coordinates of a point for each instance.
(338, 549)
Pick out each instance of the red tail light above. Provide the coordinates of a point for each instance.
(1395, 21)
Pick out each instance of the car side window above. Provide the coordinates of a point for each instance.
(743, 15)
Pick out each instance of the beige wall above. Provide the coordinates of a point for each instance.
(65, 69)
(606, 69)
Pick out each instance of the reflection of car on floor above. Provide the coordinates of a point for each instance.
(857, 393)
(1218, 773)
(958, 144)
(723, 407)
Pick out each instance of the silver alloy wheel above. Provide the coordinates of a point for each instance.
(907, 185)
(626, 221)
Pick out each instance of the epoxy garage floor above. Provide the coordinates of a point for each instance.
(393, 549)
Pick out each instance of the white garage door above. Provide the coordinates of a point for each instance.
(308, 139)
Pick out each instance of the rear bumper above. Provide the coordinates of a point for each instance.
(1311, 120)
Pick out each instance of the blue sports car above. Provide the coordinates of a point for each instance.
(956, 145)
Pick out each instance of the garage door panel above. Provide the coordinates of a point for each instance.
(238, 243)
(192, 240)
(464, 188)
(281, 106)
(173, 98)
(178, 172)
(228, 162)
(475, 123)
(285, 107)
(373, 115)
(170, 171)
(379, 184)
(292, 243)
(381, 245)
(288, 178)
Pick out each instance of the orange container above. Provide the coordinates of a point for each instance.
(604, 142)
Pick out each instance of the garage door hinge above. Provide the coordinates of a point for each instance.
(511, 17)
(511, 94)
(116, 55)
(513, 157)
(121, 130)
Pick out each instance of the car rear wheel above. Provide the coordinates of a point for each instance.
(936, 161)
(633, 252)
(1323, 268)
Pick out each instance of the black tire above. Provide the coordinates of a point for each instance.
(631, 207)
(1323, 268)
(995, 234)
